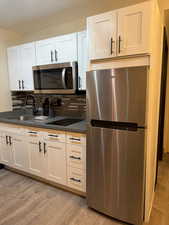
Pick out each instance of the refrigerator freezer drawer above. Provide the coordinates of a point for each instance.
(115, 173)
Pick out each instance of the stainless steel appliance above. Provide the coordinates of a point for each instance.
(56, 78)
(116, 102)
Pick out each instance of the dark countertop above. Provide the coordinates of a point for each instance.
(13, 118)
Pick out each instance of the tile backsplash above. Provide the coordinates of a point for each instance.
(63, 105)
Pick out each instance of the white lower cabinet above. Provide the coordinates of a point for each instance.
(76, 160)
(56, 156)
(56, 162)
(6, 157)
(19, 152)
(35, 153)
(13, 151)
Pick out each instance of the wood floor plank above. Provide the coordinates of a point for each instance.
(24, 201)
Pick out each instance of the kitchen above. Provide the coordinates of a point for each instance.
(82, 118)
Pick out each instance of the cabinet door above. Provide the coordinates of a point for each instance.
(82, 59)
(133, 29)
(14, 68)
(65, 48)
(27, 61)
(56, 162)
(36, 156)
(6, 150)
(19, 151)
(101, 31)
(45, 52)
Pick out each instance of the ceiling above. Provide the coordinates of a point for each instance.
(14, 12)
(26, 16)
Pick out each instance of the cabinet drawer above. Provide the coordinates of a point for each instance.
(75, 156)
(53, 137)
(76, 138)
(76, 179)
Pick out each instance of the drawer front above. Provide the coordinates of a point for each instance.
(73, 138)
(55, 137)
(76, 179)
(75, 156)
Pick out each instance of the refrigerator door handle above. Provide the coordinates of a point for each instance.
(115, 125)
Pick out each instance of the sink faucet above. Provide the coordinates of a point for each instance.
(34, 109)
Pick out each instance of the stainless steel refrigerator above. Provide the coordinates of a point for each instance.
(116, 105)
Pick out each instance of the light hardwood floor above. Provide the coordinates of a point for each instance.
(24, 201)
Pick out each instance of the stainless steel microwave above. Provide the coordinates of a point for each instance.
(56, 78)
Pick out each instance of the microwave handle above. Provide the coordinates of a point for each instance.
(63, 78)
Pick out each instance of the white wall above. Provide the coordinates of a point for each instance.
(7, 38)
(153, 104)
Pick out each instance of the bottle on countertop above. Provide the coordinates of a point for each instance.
(46, 105)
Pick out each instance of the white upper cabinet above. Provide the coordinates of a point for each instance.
(14, 68)
(28, 59)
(44, 52)
(20, 61)
(133, 29)
(102, 35)
(119, 33)
(57, 50)
(83, 59)
(65, 48)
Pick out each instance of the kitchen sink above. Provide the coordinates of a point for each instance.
(21, 118)
(28, 117)
(65, 122)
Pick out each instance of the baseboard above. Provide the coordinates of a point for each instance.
(147, 218)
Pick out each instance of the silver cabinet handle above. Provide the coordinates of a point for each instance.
(51, 55)
(7, 142)
(40, 149)
(10, 140)
(23, 87)
(52, 135)
(74, 157)
(120, 40)
(19, 84)
(111, 46)
(76, 180)
(56, 56)
(45, 150)
(74, 139)
(79, 81)
(32, 132)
